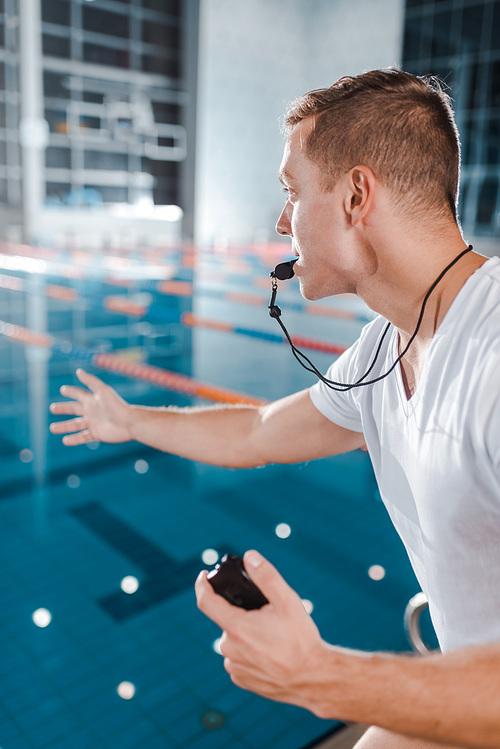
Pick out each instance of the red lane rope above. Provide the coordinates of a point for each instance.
(113, 363)
(124, 306)
(173, 381)
(24, 335)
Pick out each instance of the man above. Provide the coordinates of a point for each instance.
(370, 171)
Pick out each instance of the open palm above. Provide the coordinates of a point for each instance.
(100, 413)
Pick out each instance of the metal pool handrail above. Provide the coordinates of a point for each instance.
(413, 611)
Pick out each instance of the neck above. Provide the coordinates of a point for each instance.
(412, 269)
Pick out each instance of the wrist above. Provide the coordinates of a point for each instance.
(322, 694)
(132, 419)
(344, 684)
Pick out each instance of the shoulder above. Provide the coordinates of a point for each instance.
(472, 324)
(483, 304)
(482, 290)
(482, 357)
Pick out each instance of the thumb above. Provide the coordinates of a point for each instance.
(91, 381)
(269, 581)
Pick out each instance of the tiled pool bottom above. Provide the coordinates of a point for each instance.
(126, 511)
(67, 546)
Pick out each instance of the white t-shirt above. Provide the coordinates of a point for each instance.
(437, 456)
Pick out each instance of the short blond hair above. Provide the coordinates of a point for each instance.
(399, 125)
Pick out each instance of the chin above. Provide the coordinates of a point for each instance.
(309, 294)
(314, 295)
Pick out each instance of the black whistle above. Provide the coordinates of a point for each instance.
(284, 271)
(230, 580)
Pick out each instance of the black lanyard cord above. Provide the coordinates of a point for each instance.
(275, 312)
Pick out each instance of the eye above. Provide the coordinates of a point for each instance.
(289, 192)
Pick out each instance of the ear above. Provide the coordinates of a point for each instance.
(360, 192)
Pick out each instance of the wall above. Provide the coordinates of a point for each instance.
(255, 56)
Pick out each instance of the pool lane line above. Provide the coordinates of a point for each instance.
(186, 254)
(113, 363)
(159, 314)
(178, 278)
(179, 288)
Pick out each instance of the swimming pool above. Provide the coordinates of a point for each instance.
(76, 522)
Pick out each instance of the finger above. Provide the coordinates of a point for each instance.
(64, 408)
(81, 438)
(223, 645)
(233, 649)
(215, 606)
(269, 581)
(91, 381)
(72, 425)
(70, 391)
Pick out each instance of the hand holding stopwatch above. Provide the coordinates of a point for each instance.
(230, 580)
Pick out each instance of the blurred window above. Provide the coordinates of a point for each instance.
(472, 76)
(103, 21)
(441, 37)
(495, 31)
(462, 199)
(472, 27)
(166, 173)
(464, 39)
(426, 36)
(92, 97)
(487, 203)
(106, 56)
(57, 192)
(172, 7)
(468, 150)
(493, 141)
(56, 11)
(57, 121)
(161, 35)
(108, 122)
(58, 158)
(494, 92)
(55, 85)
(166, 113)
(105, 160)
(88, 122)
(161, 65)
(56, 46)
(110, 194)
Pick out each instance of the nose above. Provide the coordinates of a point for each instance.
(283, 225)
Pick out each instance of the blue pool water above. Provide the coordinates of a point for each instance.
(74, 522)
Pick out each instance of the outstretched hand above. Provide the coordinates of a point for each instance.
(100, 413)
(275, 651)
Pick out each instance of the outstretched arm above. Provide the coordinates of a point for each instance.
(289, 430)
(278, 653)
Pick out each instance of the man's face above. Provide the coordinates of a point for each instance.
(315, 220)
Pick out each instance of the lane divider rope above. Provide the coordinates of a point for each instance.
(180, 286)
(158, 313)
(113, 363)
